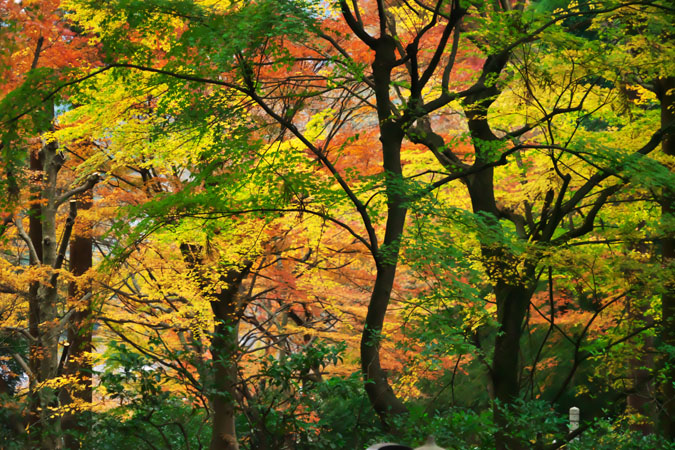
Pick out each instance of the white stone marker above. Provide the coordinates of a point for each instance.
(574, 419)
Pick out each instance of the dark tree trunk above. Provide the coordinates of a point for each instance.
(666, 94)
(227, 308)
(80, 332)
(380, 393)
(221, 386)
(512, 303)
(512, 295)
(224, 346)
(641, 399)
(382, 397)
(35, 234)
(511, 289)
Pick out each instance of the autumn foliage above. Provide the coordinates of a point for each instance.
(308, 224)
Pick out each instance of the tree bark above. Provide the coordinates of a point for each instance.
(224, 349)
(511, 289)
(227, 307)
(35, 234)
(43, 314)
(381, 395)
(512, 303)
(641, 399)
(665, 90)
(80, 331)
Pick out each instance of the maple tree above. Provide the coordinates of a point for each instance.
(190, 197)
(443, 172)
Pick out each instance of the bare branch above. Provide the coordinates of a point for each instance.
(24, 236)
(89, 183)
(545, 118)
(451, 60)
(455, 16)
(588, 224)
(65, 239)
(22, 331)
(36, 54)
(23, 365)
(355, 26)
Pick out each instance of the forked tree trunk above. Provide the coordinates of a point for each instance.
(511, 289)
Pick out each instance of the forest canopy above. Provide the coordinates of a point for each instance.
(312, 224)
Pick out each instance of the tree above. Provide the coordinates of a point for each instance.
(230, 116)
(407, 71)
(190, 202)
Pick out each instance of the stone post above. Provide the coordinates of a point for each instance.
(574, 419)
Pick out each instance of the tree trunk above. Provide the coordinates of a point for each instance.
(641, 399)
(43, 314)
(35, 316)
(80, 332)
(224, 346)
(512, 303)
(35, 234)
(510, 288)
(665, 88)
(380, 393)
(227, 307)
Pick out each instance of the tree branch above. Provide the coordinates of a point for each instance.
(25, 333)
(89, 183)
(355, 26)
(24, 236)
(65, 239)
(589, 220)
(23, 365)
(455, 16)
